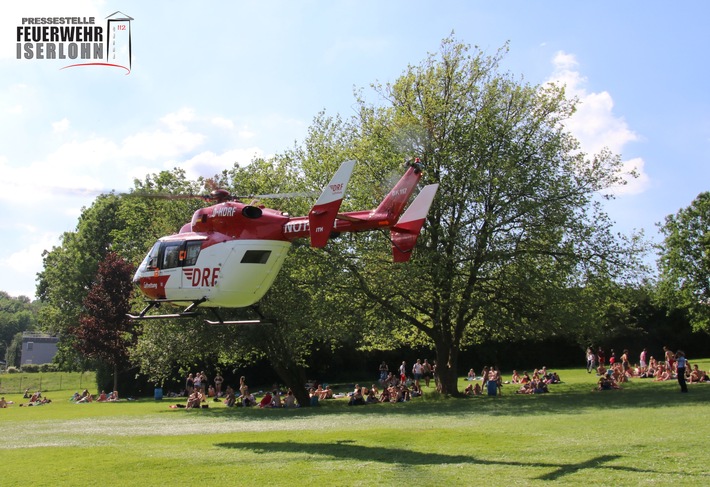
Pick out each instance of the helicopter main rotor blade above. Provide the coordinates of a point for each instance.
(300, 194)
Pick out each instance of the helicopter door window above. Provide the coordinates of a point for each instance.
(171, 255)
(193, 251)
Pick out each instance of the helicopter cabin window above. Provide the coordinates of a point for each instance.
(171, 255)
(193, 251)
(256, 256)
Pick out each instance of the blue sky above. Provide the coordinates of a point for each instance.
(216, 82)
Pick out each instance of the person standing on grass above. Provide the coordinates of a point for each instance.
(426, 372)
(384, 371)
(681, 363)
(417, 372)
(403, 372)
(591, 356)
(670, 358)
(601, 356)
(218, 384)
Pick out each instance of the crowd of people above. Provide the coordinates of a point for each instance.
(405, 383)
(35, 399)
(491, 382)
(673, 366)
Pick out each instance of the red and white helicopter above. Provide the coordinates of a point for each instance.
(230, 253)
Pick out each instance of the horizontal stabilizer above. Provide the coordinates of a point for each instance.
(322, 216)
(404, 234)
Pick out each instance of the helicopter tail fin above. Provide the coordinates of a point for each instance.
(321, 218)
(391, 207)
(404, 234)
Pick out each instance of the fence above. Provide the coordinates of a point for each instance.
(47, 382)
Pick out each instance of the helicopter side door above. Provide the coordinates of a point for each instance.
(170, 265)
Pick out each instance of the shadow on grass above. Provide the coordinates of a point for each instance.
(350, 450)
(565, 400)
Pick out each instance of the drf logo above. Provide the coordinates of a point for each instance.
(336, 188)
(206, 277)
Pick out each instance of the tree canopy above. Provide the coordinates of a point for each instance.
(684, 263)
(104, 332)
(517, 229)
(17, 314)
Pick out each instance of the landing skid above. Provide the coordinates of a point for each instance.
(191, 311)
(221, 321)
(186, 313)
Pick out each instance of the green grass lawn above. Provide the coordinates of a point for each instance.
(646, 434)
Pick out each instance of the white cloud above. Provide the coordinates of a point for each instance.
(634, 185)
(595, 124)
(222, 122)
(19, 268)
(161, 144)
(208, 163)
(61, 126)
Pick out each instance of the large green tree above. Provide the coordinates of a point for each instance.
(517, 228)
(684, 263)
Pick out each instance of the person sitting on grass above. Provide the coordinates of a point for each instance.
(3, 403)
(471, 375)
(371, 397)
(85, 397)
(313, 397)
(695, 374)
(525, 388)
(390, 380)
(403, 393)
(266, 400)
(195, 399)
(229, 398)
(663, 373)
(604, 384)
(356, 399)
(515, 379)
(276, 399)
(290, 400)
(540, 387)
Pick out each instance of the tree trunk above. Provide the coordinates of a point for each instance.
(295, 379)
(447, 356)
(115, 377)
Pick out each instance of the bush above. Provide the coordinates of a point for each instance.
(49, 368)
(30, 368)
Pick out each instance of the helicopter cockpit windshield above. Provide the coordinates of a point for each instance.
(170, 254)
